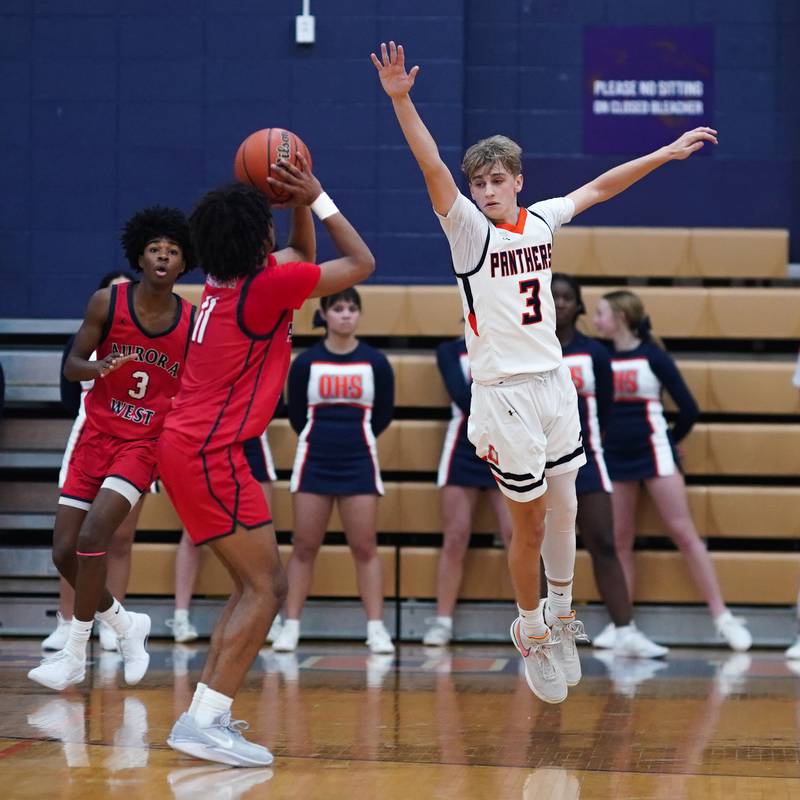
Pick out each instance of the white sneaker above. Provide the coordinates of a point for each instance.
(542, 670)
(222, 741)
(734, 631)
(437, 635)
(632, 643)
(379, 642)
(57, 640)
(59, 671)
(182, 630)
(794, 650)
(567, 631)
(275, 630)
(607, 638)
(108, 639)
(132, 648)
(288, 637)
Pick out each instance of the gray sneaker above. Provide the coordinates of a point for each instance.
(222, 741)
(542, 671)
(567, 631)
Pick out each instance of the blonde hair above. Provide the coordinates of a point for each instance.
(631, 307)
(487, 151)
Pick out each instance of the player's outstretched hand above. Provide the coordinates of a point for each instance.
(299, 183)
(691, 142)
(108, 364)
(391, 68)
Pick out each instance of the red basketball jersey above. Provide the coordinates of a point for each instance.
(132, 402)
(239, 354)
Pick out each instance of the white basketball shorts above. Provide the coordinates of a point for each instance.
(527, 428)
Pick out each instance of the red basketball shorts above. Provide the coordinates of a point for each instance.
(212, 492)
(100, 461)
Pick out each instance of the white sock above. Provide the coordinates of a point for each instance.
(559, 598)
(210, 706)
(445, 622)
(291, 626)
(374, 626)
(79, 633)
(198, 693)
(533, 622)
(181, 615)
(116, 617)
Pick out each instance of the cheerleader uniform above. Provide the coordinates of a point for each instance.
(339, 404)
(639, 444)
(590, 367)
(459, 464)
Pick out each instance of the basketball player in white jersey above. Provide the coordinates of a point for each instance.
(524, 419)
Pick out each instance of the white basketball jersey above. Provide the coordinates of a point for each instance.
(504, 276)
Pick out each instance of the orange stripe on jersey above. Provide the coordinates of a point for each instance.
(522, 218)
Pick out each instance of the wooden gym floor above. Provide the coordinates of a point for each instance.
(343, 724)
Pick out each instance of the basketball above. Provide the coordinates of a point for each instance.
(257, 153)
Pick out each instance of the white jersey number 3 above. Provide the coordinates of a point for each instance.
(202, 319)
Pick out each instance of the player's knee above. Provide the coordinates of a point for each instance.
(63, 558)
(92, 538)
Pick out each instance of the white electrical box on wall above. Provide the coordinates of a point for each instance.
(304, 29)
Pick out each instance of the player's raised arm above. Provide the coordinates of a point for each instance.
(77, 366)
(397, 83)
(616, 180)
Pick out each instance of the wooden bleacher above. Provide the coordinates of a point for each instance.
(742, 459)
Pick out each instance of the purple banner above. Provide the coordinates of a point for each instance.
(644, 86)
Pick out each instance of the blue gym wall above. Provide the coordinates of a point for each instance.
(108, 105)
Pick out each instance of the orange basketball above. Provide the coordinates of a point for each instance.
(257, 153)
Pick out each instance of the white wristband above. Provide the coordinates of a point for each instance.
(324, 207)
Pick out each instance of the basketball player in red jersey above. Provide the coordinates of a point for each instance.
(140, 332)
(237, 364)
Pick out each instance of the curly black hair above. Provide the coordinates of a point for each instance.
(232, 231)
(156, 222)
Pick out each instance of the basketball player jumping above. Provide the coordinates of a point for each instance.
(140, 332)
(236, 367)
(524, 417)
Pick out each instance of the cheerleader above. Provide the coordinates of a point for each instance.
(590, 367)
(640, 448)
(462, 477)
(341, 397)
